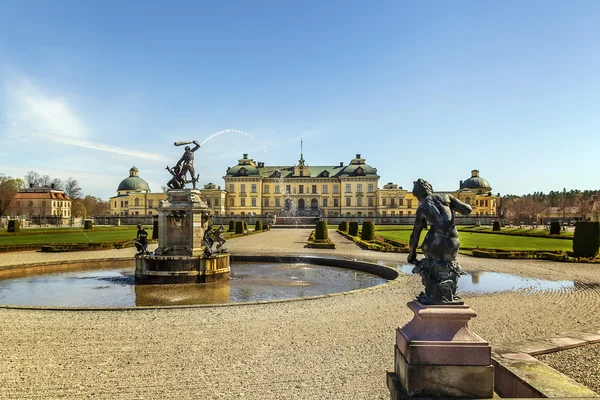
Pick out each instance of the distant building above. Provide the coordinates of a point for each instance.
(253, 188)
(134, 197)
(41, 205)
(301, 190)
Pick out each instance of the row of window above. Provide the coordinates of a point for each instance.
(314, 202)
(311, 189)
(409, 202)
(59, 204)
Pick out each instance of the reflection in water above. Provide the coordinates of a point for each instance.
(109, 287)
(492, 282)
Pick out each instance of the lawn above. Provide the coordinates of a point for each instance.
(82, 236)
(488, 241)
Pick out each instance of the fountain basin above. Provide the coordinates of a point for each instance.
(111, 284)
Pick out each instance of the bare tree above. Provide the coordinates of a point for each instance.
(585, 205)
(72, 188)
(45, 180)
(57, 183)
(8, 188)
(32, 179)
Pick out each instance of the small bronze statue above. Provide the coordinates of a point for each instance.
(178, 181)
(219, 239)
(439, 269)
(208, 241)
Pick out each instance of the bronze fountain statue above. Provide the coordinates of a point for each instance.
(439, 269)
(183, 166)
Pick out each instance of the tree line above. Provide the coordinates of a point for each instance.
(82, 205)
(568, 204)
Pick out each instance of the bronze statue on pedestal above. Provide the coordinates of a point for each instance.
(439, 269)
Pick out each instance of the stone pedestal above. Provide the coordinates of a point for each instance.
(436, 355)
(181, 256)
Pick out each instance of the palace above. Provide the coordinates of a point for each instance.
(253, 188)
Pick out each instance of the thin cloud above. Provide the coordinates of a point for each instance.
(101, 147)
(33, 112)
(30, 109)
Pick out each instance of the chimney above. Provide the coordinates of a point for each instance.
(474, 173)
(460, 185)
(341, 163)
(31, 185)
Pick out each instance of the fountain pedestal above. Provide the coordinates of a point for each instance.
(181, 255)
(436, 355)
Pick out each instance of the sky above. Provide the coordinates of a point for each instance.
(421, 89)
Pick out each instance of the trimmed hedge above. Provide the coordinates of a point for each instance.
(586, 240)
(353, 228)
(343, 226)
(376, 245)
(321, 231)
(155, 229)
(555, 228)
(519, 254)
(496, 226)
(14, 226)
(88, 225)
(368, 231)
(231, 226)
(239, 227)
(319, 243)
(258, 226)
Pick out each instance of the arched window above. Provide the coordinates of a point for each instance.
(314, 204)
(301, 204)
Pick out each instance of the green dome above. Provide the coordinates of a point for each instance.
(359, 169)
(134, 182)
(475, 182)
(243, 170)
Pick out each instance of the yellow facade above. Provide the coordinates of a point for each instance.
(352, 190)
(251, 188)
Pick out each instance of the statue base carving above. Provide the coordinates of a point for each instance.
(436, 355)
(153, 269)
(440, 280)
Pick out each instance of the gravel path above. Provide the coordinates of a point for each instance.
(330, 348)
(581, 364)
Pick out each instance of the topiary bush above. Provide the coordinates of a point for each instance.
(239, 227)
(353, 228)
(586, 240)
(231, 226)
(258, 226)
(155, 229)
(555, 228)
(321, 231)
(343, 226)
(14, 226)
(496, 226)
(368, 231)
(88, 225)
